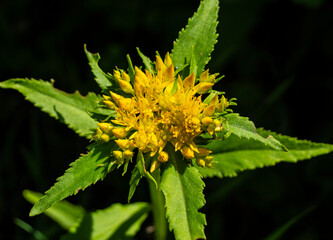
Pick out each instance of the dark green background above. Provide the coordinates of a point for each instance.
(277, 57)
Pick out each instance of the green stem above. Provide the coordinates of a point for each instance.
(160, 222)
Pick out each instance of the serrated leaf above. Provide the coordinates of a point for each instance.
(199, 35)
(116, 222)
(104, 80)
(67, 215)
(87, 170)
(182, 187)
(70, 109)
(234, 154)
(243, 127)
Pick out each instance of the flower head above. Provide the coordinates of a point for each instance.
(163, 107)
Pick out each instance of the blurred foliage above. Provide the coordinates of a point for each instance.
(276, 55)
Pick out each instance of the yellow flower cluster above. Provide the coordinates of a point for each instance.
(162, 108)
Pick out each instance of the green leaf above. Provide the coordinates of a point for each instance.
(234, 154)
(182, 187)
(284, 228)
(87, 170)
(199, 36)
(146, 61)
(243, 127)
(70, 109)
(104, 80)
(28, 228)
(116, 222)
(130, 69)
(135, 178)
(67, 215)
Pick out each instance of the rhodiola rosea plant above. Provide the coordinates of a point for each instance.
(163, 121)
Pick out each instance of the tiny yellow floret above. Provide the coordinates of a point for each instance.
(163, 157)
(161, 107)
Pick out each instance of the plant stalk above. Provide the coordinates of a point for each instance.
(160, 222)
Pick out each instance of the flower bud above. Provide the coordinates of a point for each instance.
(116, 75)
(128, 154)
(154, 166)
(97, 135)
(201, 162)
(211, 129)
(105, 137)
(206, 121)
(125, 77)
(119, 132)
(116, 97)
(106, 127)
(126, 86)
(109, 104)
(118, 155)
(187, 152)
(123, 143)
(108, 98)
(163, 157)
(203, 87)
(203, 152)
(208, 159)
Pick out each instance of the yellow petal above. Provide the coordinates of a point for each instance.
(204, 76)
(188, 82)
(209, 111)
(167, 60)
(160, 66)
(193, 146)
(169, 72)
(126, 104)
(215, 100)
(141, 75)
(203, 87)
